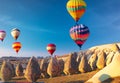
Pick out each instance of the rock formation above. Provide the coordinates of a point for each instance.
(92, 61)
(109, 58)
(43, 67)
(53, 67)
(6, 72)
(32, 72)
(110, 71)
(70, 65)
(101, 60)
(19, 70)
(61, 64)
(84, 66)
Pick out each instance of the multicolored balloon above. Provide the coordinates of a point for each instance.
(76, 8)
(2, 35)
(51, 48)
(16, 46)
(79, 33)
(15, 33)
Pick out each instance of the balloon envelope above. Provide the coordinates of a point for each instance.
(2, 35)
(16, 46)
(15, 33)
(76, 8)
(51, 48)
(79, 33)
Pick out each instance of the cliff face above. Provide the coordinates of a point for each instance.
(103, 54)
(98, 56)
(104, 57)
(109, 72)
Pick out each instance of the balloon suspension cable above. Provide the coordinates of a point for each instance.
(17, 53)
(51, 55)
(76, 22)
(80, 48)
(2, 40)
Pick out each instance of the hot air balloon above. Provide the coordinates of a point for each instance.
(2, 35)
(76, 8)
(16, 46)
(79, 33)
(15, 33)
(51, 48)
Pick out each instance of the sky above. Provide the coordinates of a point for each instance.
(47, 21)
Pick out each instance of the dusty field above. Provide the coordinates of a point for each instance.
(76, 78)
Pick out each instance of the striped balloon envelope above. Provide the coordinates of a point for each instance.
(2, 35)
(79, 33)
(76, 8)
(51, 48)
(16, 46)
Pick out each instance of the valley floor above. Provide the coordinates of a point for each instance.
(76, 78)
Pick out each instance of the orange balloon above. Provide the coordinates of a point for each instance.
(16, 46)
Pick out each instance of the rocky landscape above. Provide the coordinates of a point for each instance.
(105, 58)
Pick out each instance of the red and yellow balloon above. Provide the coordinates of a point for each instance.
(16, 46)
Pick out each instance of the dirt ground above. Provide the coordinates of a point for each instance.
(76, 78)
